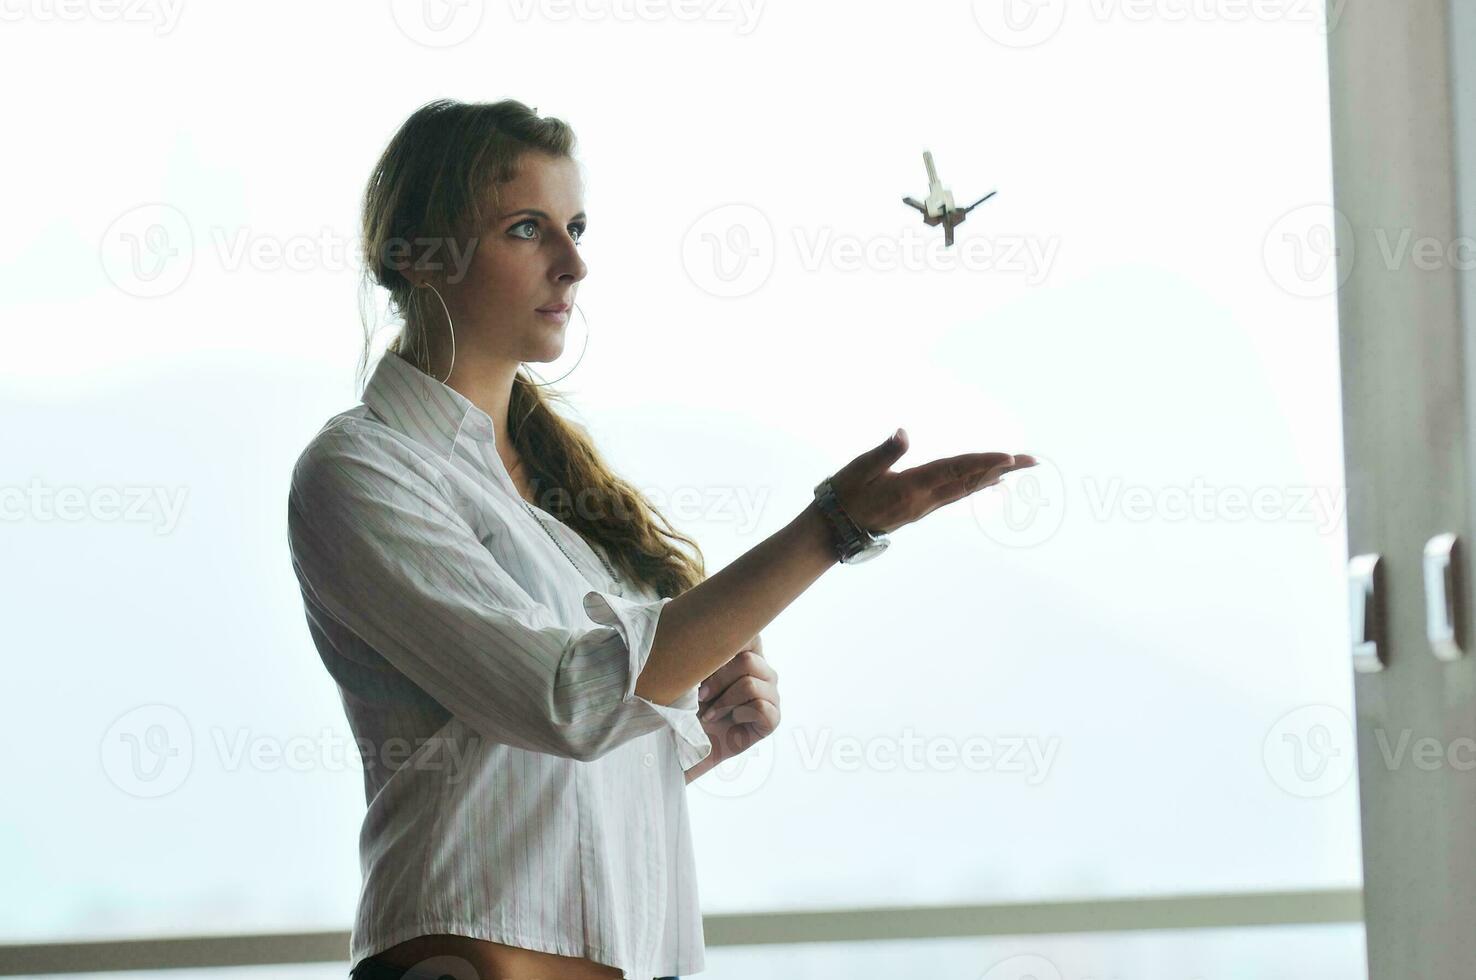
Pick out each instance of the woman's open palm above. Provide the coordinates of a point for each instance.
(881, 501)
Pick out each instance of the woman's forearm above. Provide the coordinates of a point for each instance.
(706, 626)
(699, 769)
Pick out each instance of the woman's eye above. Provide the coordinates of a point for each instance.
(577, 230)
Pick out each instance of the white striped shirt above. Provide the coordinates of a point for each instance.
(518, 789)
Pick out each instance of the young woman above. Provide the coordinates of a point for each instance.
(520, 645)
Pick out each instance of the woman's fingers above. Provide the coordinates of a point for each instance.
(748, 661)
(952, 471)
(950, 468)
(888, 500)
(969, 473)
(760, 713)
(741, 691)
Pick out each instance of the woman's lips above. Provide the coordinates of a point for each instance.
(556, 316)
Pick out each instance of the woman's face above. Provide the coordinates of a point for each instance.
(527, 259)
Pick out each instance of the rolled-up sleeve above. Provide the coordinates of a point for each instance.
(377, 545)
(636, 622)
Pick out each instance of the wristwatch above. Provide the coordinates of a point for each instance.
(853, 543)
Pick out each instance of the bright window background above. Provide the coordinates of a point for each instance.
(1164, 693)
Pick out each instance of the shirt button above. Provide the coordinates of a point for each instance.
(649, 758)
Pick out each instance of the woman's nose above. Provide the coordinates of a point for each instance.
(570, 266)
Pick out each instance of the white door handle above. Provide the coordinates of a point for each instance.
(1363, 613)
(1442, 591)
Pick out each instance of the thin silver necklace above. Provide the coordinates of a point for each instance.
(529, 508)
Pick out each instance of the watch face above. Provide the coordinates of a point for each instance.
(869, 552)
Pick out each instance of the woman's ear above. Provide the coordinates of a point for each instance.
(404, 257)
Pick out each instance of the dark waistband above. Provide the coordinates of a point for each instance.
(372, 969)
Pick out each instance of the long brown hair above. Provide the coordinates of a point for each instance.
(435, 180)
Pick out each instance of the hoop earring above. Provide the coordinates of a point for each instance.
(450, 327)
(540, 384)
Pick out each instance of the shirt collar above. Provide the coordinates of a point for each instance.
(412, 402)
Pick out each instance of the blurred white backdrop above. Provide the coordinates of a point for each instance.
(1125, 673)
